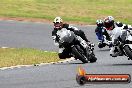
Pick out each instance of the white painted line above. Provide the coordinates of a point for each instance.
(4, 47)
(17, 66)
(50, 51)
(10, 20)
(41, 64)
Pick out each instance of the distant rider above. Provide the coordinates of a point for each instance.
(101, 34)
(58, 25)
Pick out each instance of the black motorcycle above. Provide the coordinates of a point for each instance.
(70, 41)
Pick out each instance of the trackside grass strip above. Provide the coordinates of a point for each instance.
(86, 11)
(24, 56)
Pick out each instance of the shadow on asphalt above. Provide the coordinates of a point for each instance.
(73, 63)
(103, 50)
(123, 64)
(78, 63)
(68, 63)
(126, 64)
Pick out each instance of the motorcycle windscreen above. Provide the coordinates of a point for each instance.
(69, 37)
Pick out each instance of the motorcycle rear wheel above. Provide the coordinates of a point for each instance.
(92, 58)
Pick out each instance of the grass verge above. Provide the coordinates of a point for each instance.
(24, 56)
(86, 11)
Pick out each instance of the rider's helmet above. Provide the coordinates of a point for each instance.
(58, 23)
(99, 23)
(109, 23)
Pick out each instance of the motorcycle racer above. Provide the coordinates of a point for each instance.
(102, 34)
(115, 30)
(58, 25)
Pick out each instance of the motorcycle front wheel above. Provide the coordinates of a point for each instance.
(78, 55)
(128, 51)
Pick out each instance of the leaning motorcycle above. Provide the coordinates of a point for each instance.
(125, 44)
(69, 40)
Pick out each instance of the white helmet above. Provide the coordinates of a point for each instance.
(109, 18)
(58, 20)
(99, 22)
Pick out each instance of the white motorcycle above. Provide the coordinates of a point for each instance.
(127, 47)
(125, 44)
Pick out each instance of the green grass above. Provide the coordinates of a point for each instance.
(86, 11)
(24, 56)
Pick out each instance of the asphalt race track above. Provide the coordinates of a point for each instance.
(38, 35)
